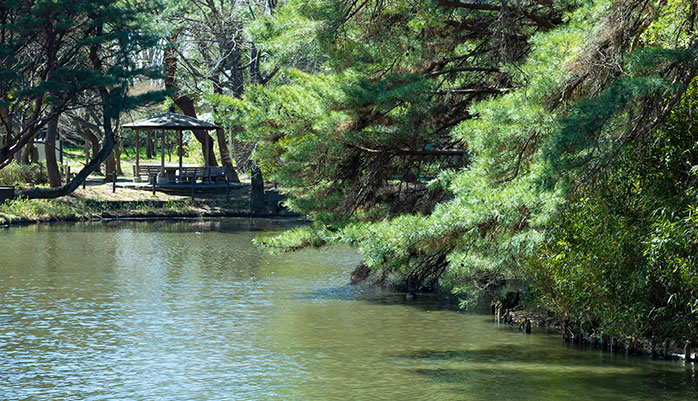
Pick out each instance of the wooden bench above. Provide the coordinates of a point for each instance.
(215, 174)
(209, 175)
(146, 170)
(187, 173)
(206, 175)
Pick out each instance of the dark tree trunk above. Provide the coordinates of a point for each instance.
(110, 167)
(225, 156)
(258, 201)
(255, 71)
(149, 151)
(27, 153)
(34, 157)
(54, 175)
(223, 148)
(116, 154)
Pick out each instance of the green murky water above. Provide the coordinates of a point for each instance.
(193, 311)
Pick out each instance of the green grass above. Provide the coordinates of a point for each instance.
(23, 211)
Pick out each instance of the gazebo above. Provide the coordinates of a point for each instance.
(170, 121)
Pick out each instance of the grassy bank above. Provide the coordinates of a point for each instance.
(25, 211)
(97, 201)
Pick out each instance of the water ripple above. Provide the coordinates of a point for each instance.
(193, 311)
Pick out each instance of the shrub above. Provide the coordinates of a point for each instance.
(21, 175)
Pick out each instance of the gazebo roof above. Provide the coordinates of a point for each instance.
(173, 121)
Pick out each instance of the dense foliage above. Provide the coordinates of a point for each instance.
(358, 134)
(59, 56)
(22, 175)
(457, 144)
(574, 132)
(622, 257)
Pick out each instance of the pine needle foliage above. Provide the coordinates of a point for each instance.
(577, 162)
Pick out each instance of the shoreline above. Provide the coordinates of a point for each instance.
(509, 311)
(524, 319)
(130, 215)
(98, 203)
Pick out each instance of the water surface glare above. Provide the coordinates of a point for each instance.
(191, 310)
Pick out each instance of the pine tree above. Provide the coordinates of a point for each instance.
(52, 53)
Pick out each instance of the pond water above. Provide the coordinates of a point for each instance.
(191, 310)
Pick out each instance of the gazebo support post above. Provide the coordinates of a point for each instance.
(231, 132)
(174, 122)
(136, 174)
(162, 153)
(180, 152)
(206, 150)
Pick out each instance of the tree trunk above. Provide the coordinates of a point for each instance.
(184, 102)
(149, 151)
(92, 141)
(34, 157)
(54, 175)
(255, 71)
(258, 202)
(225, 156)
(110, 167)
(3, 135)
(223, 148)
(27, 152)
(117, 156)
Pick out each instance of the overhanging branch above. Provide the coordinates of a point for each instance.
(411, 152)
(537, 19)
